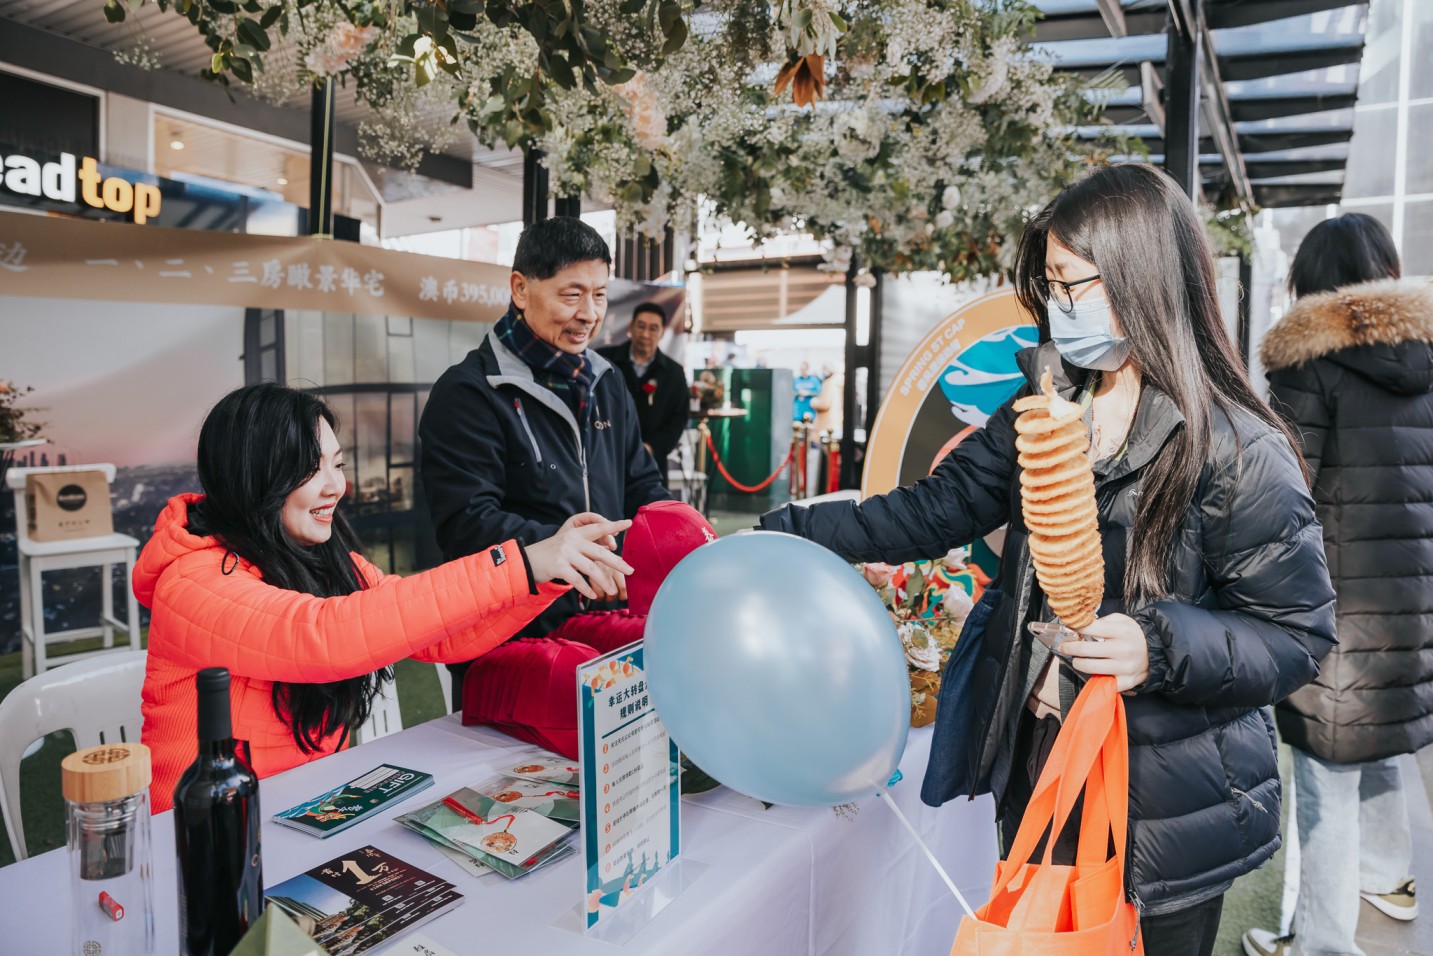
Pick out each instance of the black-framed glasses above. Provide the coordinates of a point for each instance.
(1058, 291)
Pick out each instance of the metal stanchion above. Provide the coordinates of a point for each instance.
(703, 434)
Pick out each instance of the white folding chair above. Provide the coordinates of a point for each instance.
(37, 557)
(97, 700)
(445, 687)
(385, 718)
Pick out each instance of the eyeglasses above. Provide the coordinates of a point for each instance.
(1058, 291)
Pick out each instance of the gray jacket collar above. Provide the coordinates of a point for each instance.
(513, 371)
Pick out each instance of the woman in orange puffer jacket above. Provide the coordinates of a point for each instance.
(261, 575)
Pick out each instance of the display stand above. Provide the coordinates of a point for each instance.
(635, 914)
(631, 800)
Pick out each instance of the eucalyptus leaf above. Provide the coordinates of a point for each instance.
(271, 16)
(676, 38)
(668, 13)
(113, 12)
(562, 73)
(242, 69)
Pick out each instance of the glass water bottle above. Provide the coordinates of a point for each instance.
(107, 832)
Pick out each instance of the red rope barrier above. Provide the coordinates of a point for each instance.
(749, 489)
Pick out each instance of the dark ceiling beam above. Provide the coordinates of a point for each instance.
(1273, 168)
(1259, 66)
(1292, 139)
(1321, 194)
(1091, 26)
(1275, 107)
(52, 55)
(1224, 14)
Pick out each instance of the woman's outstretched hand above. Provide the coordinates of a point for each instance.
(1121, 650)
(583, 553)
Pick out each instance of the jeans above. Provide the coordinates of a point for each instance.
(1425, 770)
(1354, 837)
(1188, 932)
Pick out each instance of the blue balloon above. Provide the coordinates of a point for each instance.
(777, 670)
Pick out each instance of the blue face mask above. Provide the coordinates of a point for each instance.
(1084, 337)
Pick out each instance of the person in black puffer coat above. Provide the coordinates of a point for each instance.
(1217, 596)
(1351, 367)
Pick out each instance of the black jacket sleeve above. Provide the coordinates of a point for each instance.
(967, 497)
(643, 483)
(1273, 615)
(1300, 395)
(464, 467)
(672, 404)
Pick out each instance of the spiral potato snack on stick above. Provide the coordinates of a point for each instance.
(1057, 499)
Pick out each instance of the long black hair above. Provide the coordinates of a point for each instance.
(1342, 251)
(1143, 235)
(256, 446)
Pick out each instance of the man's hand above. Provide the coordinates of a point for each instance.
(1120, 650)
(583, 553)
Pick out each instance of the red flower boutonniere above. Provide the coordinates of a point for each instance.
(650, 388)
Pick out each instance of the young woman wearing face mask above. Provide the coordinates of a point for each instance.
(1217, 596)
(262, 575)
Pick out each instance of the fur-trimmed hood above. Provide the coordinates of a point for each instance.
(1381, 330)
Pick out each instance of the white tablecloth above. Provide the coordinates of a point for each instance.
(782, 881)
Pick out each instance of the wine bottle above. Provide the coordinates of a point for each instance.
(216, 832)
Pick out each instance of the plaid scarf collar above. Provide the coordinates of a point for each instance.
(570, 376)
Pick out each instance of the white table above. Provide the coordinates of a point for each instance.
(782, 881)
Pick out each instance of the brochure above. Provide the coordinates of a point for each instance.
(343, 806)
(443, 825)
(508, 834)
(361, 899)
(549, 799)
(541, 765)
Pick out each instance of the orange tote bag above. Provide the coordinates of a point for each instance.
(1037, 908)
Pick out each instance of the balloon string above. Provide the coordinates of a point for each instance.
(928, 854)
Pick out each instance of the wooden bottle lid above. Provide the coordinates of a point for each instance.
(106, 772)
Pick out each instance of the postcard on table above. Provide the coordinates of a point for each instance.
(539, 796)
(343, 806)
(541, 765)
(445, 826)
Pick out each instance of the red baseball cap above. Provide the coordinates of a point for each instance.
(662, 534)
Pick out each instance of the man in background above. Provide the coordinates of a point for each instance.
(657, 383)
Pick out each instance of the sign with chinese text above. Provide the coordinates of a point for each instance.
(115, 262)
(631, 804)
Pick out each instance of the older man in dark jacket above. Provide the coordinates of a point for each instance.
(531, 428)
